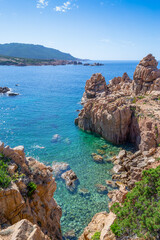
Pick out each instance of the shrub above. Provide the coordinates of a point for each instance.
(5, 179)
(96, 236)
(31, 188)
(140, 213)
(141, 97)
(134, 100)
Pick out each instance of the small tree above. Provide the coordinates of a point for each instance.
(140, 213)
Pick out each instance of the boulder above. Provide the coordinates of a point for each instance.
(23, 230)
(71, 180)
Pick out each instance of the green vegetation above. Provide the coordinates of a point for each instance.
(141, 97)
(17, 176)
(21, 50)
(5, 179)
(134, 100)
(96, 236)
(31, 188)
(140, 213)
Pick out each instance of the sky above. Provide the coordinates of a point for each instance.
(88, 29)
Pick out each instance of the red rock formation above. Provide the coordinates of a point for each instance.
(15, 201)
(146, 76)
(116, 112)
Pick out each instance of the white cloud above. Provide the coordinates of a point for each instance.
(63, 8)
(66, 6)
(42, 3)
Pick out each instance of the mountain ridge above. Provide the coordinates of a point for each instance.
(33, 51)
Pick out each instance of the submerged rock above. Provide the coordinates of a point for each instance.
(84, 192)
(101, 189)
(59, 168)
(97, 158)
(56, 138)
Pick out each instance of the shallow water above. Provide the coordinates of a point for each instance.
(47, 104)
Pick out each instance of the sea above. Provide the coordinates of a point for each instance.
(47, 105)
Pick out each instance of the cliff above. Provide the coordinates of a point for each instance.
(125, 109)
(26, 192)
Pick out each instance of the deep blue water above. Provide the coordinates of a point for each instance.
(47, 104)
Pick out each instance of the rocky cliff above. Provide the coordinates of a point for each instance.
(125, 109)
(26, 192)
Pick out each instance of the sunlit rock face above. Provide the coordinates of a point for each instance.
(17, 202)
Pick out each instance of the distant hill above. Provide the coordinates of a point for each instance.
(32, 51)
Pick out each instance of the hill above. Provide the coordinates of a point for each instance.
(32, 51)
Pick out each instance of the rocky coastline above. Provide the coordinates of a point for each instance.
(123, 111)
(27, 207)
(22, 62)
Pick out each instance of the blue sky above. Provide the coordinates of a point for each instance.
(94, 29)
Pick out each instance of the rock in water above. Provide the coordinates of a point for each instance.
(71, 180)
(12, 94)
(4, 89)
(101, 189)
(56, 138)
(59, 168)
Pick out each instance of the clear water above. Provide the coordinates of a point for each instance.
(47, 104)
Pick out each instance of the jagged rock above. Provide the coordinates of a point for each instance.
(94, 87)
(4, 89)
(59, 168)
(97, 158)
(96, 225)
(71, 180)
(23, 230)
(116, 112)
(15, 201)
(101, 188)
(146, 75)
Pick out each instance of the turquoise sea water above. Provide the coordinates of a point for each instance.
(47, 104)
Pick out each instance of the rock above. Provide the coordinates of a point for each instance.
(56, 138)
(16, 203)
(71, 180)
(122, 154)
(20, 151)
(23, 230)
(70, 235)
(101, 152)
(84, 192)
(117, 168)
(96, 225)
(12, 168)
(59, 168)
(146, 72)
(94, 87)
(104, 147)
(4, 89)
(12, 94)
(98, 158)
(111, 183)
(101, 189)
